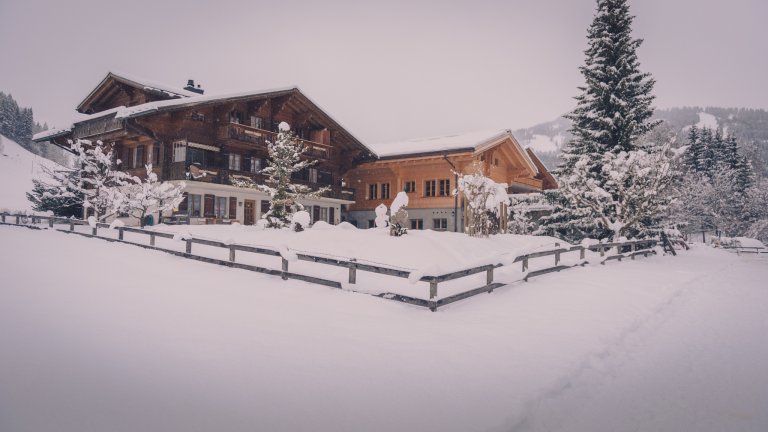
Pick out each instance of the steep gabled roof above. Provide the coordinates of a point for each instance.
(139, 83)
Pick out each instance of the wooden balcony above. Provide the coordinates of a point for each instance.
(259, 137)
(223, 176)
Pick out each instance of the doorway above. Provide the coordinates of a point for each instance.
(249, 207)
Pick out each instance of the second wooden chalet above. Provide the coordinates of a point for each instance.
(426, 170)
(207, 140)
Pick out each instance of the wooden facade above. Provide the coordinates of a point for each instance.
(205, 141)
(429, 179)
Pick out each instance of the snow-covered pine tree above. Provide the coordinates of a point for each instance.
(285, 159)
(57, 192)
(146, 196)
(692, 153)
(98, 176)
(613, 111)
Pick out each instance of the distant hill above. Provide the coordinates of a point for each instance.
(18, 166)
(749, 125)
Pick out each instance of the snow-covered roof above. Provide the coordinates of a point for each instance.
(142, 83)
(475, 142)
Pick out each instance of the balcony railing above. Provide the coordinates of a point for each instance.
(224, 176)
(252, 135)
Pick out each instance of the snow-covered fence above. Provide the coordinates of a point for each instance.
(606, 251)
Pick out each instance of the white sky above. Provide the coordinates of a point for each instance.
(386, 70)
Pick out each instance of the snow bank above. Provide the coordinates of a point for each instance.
(18, 167)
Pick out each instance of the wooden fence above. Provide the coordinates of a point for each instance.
(607, 251)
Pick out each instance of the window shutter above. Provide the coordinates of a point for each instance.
(233, 207)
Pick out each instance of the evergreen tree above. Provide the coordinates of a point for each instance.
(285, 156)
(613, 111)
(695, 148)
(58, 194)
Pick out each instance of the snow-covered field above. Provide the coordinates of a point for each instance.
(114, 337)
(17, 169)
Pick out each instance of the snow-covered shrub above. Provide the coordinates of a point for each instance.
(485, 200)
(300, 220)
(398, 222)
(146, 196)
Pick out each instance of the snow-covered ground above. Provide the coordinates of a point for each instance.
(18, 167)
(114, 337)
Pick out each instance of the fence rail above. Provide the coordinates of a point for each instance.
(627, 249)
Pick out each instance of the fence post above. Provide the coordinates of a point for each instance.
(151, 239)
(602, 251)
(2, 215)
(433, 288)
(582, 253)
(71, 225)
(353, 271)
(557, 257)
(50, 222)
(17, 219)
(94, 231)
(189, 246)
(525, 264)
(632, 250)
(120, 233)
(232, 253)
(285, 269)
(489, 276)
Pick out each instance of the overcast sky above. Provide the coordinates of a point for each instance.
(384, 69)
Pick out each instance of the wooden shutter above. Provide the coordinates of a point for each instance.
(233, 207)
(332, 215)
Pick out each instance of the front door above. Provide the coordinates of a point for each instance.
(249, 207)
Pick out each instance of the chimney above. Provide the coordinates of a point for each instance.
(191, 87)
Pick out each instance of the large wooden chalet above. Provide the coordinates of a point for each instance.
(206, 141)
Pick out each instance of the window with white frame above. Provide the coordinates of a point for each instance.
(440, 224)
(220, 207)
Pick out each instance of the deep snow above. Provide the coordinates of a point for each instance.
(18, 167)
(128, 339)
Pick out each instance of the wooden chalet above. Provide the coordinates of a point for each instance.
(425, 169)
(206, 141)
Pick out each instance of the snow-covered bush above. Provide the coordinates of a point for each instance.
(300, 220)
(146, 196)
(486, 202)
(398, 221)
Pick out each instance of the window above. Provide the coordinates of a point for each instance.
(324, 214)
(156, 154)
(234, 162)
(138, 157)
(196, 156)
(324, 177)
(371, 223)
(197, 116)
(445, 187)
(313, 175)
(410, 186)
(179, 151)
(332, 215)
(496, 161)
(257, 122)
(385, 191)
(235, 117)
(417, 224)
(195, 206)
(233, 208)
(373, 191)
(255, 165)
(264, 207)
(127, 157)
(210, 203)
(440, 224)
(220, 210)
(429, 188)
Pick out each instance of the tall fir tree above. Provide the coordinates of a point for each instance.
(613, 111)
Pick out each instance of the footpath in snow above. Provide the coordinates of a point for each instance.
(99, 336)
